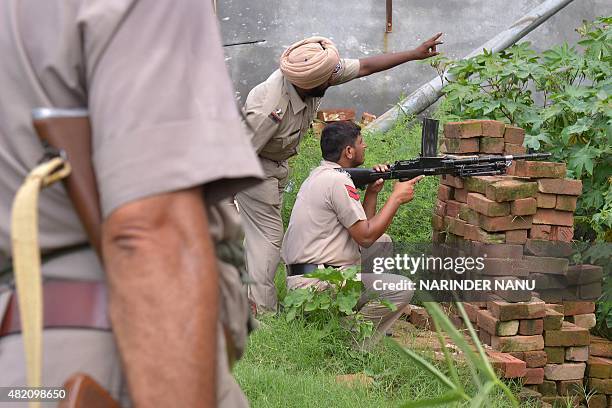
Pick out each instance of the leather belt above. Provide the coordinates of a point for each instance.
(67, 304)
(302, 269)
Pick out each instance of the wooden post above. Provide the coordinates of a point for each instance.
(389, 26)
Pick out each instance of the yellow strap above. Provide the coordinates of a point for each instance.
(26, 262)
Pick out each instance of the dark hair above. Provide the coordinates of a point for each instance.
(336, 136)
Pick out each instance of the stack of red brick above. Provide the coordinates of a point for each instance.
(530, 212)
(599, 372)
(325, 116)
(523, 222)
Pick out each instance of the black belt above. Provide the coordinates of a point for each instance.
(302, 269)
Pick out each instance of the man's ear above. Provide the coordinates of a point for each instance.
(349, 152)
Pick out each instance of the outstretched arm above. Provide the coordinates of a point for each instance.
(383, 62)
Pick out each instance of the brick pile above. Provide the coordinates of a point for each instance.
(523, 222)
(325, 116)
(599, 372)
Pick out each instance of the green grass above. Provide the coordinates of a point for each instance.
(289, 364)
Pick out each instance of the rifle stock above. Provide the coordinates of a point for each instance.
(82, 391)
(68, 130)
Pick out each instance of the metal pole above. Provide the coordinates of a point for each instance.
(389, 26)
(429, 93)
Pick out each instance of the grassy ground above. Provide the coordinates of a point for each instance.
(289, 364)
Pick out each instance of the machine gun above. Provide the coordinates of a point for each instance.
(429, 164)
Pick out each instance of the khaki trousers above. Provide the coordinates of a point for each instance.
(260, 211)
(382, 317)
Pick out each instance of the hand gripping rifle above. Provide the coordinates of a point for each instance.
(429, 164)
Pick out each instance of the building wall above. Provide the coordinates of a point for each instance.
(358, 28)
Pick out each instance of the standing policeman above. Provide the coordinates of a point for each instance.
(280, 111)
(152, 76)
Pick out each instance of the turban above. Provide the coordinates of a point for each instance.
(310, 62)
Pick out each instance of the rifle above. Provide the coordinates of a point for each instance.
(429, 164)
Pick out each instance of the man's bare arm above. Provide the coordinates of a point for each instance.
(366, 232)
(161, 267)
(383, 62)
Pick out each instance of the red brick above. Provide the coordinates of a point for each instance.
(536, 358)
(546, 200)
(509, 190)
(452, 208)
(591, 291)
(517, 343)
(578, 353)
(483, 205)
(479, 184)
(540, 231)
(586, 321)
(599, 367)
(440, 208)
(492, 128)
(471, 310)
(539, 169)
(514, 149)
(600, 385)
(461, 195)
(570, 387)
(334, 115)
(531, 327)
(582, 274)
(509, 222)
(449, 180)
(529, 396)
(504, 311)
(569, 335)
(555, 355)
(548, 388)
(504, 267)
(542, 247)
(598, 401)
(497, 250)
(420, 318)
(545, 264)
(475, 233)
(437, 222)
(558, 186)
(367, 118)
(462, 145)
(493, 326)
(533, 359)
(485, 338)
(514, 135)
(600, 347)
(459, 130)
(523, 206)
(559, 401)
(559, 233)
(516, 237)
(455, 225)
(491, 145)
(445, 193)
(506, 365)
(563, 372)
(553, 320)
(578, 308)
(534, 376)
(553, 217)
(566, 203)
(468, 215)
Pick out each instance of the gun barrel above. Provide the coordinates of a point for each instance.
(491, 159)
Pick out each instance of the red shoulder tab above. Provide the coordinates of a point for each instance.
(352, 192)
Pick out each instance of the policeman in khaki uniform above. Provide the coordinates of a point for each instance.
(331, 227)
(280, 111)
(168, 152)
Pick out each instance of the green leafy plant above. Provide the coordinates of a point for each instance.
(333, 300)
(482, 373)
(561, 97)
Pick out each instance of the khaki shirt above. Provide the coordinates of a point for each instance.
(161, 104)
(327, 205)
(280, 118)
